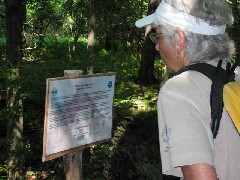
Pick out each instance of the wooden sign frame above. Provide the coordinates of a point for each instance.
(85, 84)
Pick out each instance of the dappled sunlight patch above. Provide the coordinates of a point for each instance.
(32, 175)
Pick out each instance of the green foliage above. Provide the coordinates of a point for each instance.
(2, 21)
(41, 14)
(234, 30)
(50, 61)
(2, 49)
(3, 78)
(56, 41)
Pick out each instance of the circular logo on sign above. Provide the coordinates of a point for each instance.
(109, 84)
(54, 91)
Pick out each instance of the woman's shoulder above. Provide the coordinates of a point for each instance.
(189, 83)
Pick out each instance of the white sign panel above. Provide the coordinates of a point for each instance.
(78, 112)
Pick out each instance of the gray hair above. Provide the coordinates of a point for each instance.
(203, 48)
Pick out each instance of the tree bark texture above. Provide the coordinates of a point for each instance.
(15, 18)
(73, 165)
(91, 34)
(148, 53)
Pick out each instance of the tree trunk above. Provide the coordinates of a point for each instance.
(15, 18)
(79, 25)
(91, 27)
(73, 165)
(148, 54)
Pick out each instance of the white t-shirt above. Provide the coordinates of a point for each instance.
(184, 117)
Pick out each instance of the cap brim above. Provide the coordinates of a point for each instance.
(145, 21)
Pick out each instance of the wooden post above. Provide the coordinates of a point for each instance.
(73, 161)
(73, 165)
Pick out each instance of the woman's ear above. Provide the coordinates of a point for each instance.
(180, 42)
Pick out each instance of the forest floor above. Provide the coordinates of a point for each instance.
(134, 149)
(133, 152)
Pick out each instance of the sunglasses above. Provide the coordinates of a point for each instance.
(154, 37)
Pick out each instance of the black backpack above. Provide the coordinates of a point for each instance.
(220, 75)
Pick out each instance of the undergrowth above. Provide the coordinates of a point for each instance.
(132, 153)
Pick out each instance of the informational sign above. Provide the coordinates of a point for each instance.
(78, 112)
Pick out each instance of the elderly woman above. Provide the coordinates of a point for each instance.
(190, 32)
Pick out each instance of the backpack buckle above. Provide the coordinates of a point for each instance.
(237, 73)
(224, 65)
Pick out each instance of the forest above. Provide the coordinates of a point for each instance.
(39, 39)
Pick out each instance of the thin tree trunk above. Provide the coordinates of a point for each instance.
(79, 26)
(15, 18)
(148, 54)
(91, 35)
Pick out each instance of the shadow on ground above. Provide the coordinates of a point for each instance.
(133, 153)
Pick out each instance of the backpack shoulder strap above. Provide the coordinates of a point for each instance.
(204, 68)
(219, 76)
